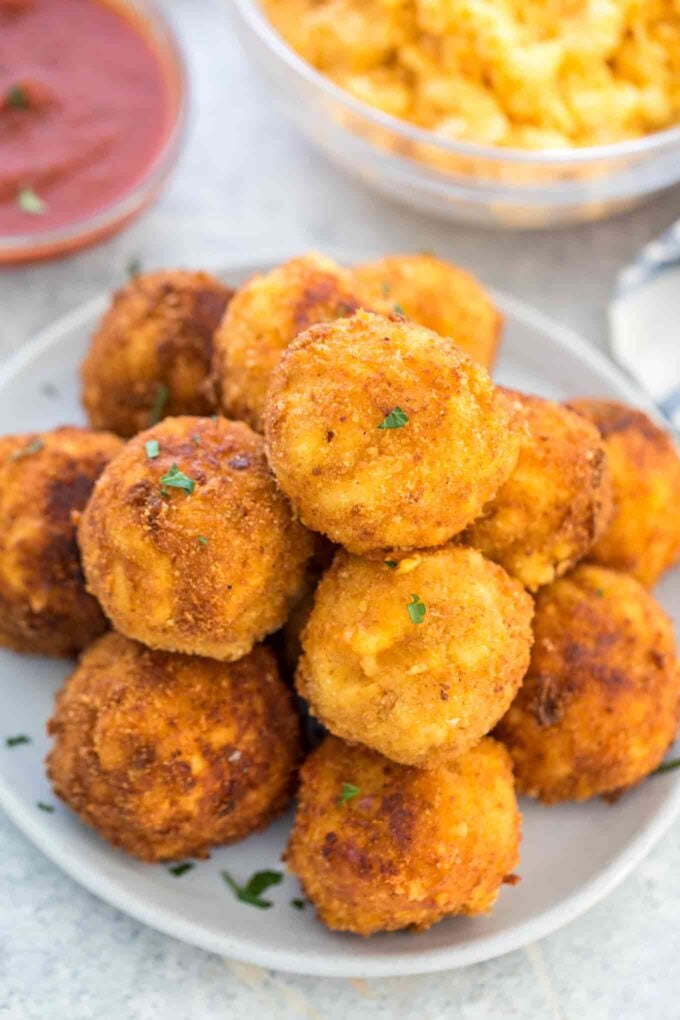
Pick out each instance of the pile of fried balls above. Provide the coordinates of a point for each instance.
(309, 498)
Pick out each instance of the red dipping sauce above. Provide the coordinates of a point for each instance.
(88, 105)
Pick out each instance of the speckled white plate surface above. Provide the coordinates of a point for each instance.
(572, 855)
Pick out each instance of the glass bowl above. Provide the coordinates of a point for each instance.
(16, 248)
(494, 187)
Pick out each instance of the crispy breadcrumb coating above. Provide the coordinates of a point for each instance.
(152, 353)
(643, 537)
(420, 686)
(45, 480)
(264, 317)
(384, 434)
(409, 847)
(556, 502)
(436, 294)
(169, 755)
(600, 703)
(206, 563)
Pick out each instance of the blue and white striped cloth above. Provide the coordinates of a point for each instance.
(644, 319)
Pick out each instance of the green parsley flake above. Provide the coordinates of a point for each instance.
(399, 310)
(30, 203)
(396, 419)
(599, 592)
(180, 869)
(133, 268)
(152, 448)
(176, 479)
(45, 807)
(416, 609)
(202, 540)
(392, 564)
(21, 738)
(386, 287)
(251, 892)
(298, 903)
(159, 402)
(17, 98)
(349, 791)
(35, 446)
(196, 438)
(667, 766)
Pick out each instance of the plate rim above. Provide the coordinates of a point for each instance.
(379, 965)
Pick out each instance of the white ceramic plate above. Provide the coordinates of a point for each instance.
(572, 855)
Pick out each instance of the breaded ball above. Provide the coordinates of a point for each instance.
(435, 294)
(187, 542)
(643, 537)
(556, 502)
(599, 705)
(169, 755)
(416, 658)
(264, 317)
(151, 355)
(384, 434)
(379, 846)
(45, 479)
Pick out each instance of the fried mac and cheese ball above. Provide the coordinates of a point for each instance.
(556, 502)
(187, 542)
(169, 755)
(416, 658)
(45, 480)
(151, 355)
(384, 434)
(264, 317)
(379, 846)
(643, 537)
(435, 294)
(599, 705)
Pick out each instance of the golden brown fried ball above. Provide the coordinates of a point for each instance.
(384, 434)
(599, 705)
(152, 353)
(45, 479)
(187, 542)
(556, 502)
(643, 537)
(407, 847)
(435, 294)
(264, 317)
(169, 755)
(418, 660)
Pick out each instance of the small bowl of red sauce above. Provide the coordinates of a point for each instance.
(92, 107)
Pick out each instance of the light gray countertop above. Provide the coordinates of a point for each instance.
(247, 184)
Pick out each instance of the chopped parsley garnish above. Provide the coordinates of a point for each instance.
(176, 479)
(386, 287)
(45, 807)
(202, 540)
(20, 738)
(251, 892)
(348, 792)
(599, 592)
(30, 203)
(35, 446)
(196, 438)
(17, 98)
(133, 268)
(152, 448)
(159, 402)
(180, 869)
(667, 766)
(416, 609)
(396, 419)
(399, 310)
(298, 903)
(392, 564)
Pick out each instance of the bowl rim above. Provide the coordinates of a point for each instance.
(57, 240)
(254, 17)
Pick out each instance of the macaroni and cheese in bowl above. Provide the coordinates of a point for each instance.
(524, 112)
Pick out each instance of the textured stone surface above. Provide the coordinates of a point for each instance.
(247, 185)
